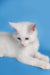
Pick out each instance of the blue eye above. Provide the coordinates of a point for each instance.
(19, 38)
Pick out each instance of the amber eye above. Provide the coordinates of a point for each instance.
(26, 38)
(19, 38)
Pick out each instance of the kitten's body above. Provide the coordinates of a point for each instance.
(10, 46)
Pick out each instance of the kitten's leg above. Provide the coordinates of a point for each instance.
(42, 57)
(34, 62)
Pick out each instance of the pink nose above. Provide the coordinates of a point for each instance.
(22, 44)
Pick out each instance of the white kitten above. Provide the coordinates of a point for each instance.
(23, 45)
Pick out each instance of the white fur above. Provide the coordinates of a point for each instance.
(10, 46)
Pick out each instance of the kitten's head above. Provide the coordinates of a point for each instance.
(25, 32)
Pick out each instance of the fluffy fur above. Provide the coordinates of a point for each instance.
(23, 45)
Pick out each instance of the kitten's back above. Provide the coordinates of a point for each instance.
(4, 38)
(4, 33)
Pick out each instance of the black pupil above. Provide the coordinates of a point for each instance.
(19, 38)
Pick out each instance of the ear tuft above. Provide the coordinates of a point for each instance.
(10, 23)
(13, 24)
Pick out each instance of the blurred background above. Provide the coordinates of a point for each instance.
(37, 11)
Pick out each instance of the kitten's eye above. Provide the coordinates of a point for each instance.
(26, 38)
(19, 38)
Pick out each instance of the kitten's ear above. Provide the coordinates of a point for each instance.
(32, 27)
(13, 25)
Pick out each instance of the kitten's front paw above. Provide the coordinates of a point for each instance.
(46, 58)
(45, 66)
